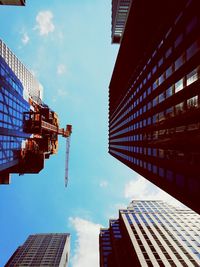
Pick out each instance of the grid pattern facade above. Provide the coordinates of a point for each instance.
(12, 106)
(31, 86)
(120, 10)
(153, 234)
(42, 250)
(154, 126)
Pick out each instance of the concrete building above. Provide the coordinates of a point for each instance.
(154, 94)
(42, 250)
(13, 2)
(151, 234)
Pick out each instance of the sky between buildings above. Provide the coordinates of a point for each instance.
(67, 45)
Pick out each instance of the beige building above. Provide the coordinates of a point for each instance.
(151, 233)
(42, 250)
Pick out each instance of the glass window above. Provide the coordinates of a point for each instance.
(154, 69)
(169, 92)
(149, 105)
(169, 72)
(155, 101)
(155, 84)
(192, 50)
(192, 102)
(161, 116)
(161, 97)
(178, 40)
(154, 169)
(179, 62)
(192, 76)
(179, 85)
(168, 53)
(161, 79)
(179, 108)
(160, 62)
(155, 118)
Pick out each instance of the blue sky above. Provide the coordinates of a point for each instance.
(67, 44)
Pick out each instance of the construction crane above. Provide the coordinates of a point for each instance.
(67, 160)
(43, 124)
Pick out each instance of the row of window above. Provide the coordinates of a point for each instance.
(144, 78)
(191, 102)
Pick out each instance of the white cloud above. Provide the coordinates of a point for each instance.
(44, 22)
(103, 184)
(142, 189)
(61, 69)
(62, 92)
(25, 38)
(87, 244)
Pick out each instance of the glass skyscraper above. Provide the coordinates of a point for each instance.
(29, 129)
(41, 250)
(154, 94)
(151, 233)
(12, 106)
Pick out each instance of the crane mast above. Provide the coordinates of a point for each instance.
(43, 125)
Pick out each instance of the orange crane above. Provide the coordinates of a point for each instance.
(44, 125)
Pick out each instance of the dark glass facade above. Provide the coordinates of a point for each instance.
(12, 106)
(13, 2)
(154, 97)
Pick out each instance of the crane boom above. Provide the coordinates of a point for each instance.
(67, 160)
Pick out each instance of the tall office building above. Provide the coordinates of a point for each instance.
(42, 250)
(29, 129)
(154, 94)
(13, 2)
(151, 233)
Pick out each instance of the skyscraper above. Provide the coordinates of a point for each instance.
(154, 94)
(151, 233)
(29, 129)
(13, 2)
(42, 250)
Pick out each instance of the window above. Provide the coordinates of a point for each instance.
(161, 172)
(179, 62)
(192, 50)
(155, 101)
(178, 40)
(192, 102)
(179, 85)
(192, 77)
(154, 69)
(161, 97)
(169, 92)
(160, 62)
(169, 72)
(179, 108)
(155, 84)
(168, 53)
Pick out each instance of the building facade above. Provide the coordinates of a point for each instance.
(42, 250)
(13, 2)
(29, 129)
(154, 96)
(151, 233)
